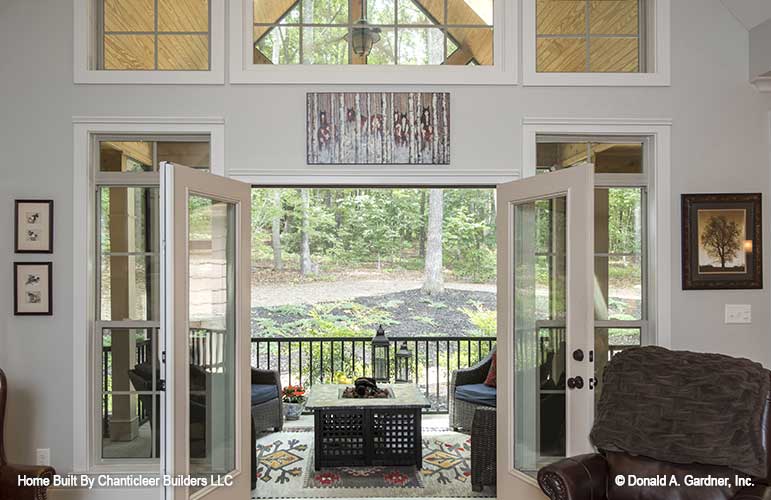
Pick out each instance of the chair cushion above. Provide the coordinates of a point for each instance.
(491, 375)
(263, 393)
(480, 394)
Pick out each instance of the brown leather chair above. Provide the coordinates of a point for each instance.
(9, 473)
(593, 476)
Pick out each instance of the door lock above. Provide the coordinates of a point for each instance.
(576, 382)
(593, 383)
(578, 355)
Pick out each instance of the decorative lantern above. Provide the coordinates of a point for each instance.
(381, 356)
(363, 37)
(403, 363)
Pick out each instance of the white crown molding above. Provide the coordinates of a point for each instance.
(422, 175)
(150, 120)
(615, 122)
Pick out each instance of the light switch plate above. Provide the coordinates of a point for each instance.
(738, 314)
(43, 456)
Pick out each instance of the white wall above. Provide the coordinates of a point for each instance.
(760, 49)
(720, 143)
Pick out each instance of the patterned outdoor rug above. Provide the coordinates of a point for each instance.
(285, 470)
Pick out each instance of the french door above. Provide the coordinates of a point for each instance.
(205, 318)
(545, 354)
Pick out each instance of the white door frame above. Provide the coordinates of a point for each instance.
(660, 211)
(577, 184)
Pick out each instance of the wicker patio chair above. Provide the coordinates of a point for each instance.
(268, 414)
(462, 412)
(483, 448)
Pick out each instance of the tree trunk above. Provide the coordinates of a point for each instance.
(306, 266)
(433, 282)
(422, 230)
(278, 263)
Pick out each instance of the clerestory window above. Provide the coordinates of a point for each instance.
(373, 32)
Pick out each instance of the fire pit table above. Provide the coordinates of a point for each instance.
(367, 431)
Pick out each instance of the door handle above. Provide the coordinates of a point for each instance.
(576, 382)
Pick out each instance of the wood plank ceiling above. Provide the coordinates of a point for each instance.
(610, 27)
(130, 35)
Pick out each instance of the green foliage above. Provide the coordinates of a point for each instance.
(469, 234)
(483, 319)
(328, 319)
(289, 309)
(425, 320)
(382, 228)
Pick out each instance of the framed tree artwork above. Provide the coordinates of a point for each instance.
(34, 226)
(722, 241)
(32, 289)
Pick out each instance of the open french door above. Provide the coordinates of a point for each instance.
(545, 358)
(205, 318)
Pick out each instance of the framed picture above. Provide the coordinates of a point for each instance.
(32, 289)
(382, 128)
(34, 226)
(722, 241)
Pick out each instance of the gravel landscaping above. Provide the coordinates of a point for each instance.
(408, 313)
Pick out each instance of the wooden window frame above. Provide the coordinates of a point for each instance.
(656, 52)
(87, 53)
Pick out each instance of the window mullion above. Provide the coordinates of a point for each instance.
(155, 21)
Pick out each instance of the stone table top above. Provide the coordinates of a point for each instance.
(329, 396)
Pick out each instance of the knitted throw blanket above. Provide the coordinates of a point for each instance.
(684, 407)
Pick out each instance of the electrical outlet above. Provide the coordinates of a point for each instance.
(738, 314)
(43, 456)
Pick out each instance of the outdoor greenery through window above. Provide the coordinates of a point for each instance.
(128, 284)
(405, 32)
(154, 35)
(331, 264)
(589, 36)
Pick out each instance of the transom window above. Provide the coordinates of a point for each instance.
(402, 32)
(165, 35)
(590, 36)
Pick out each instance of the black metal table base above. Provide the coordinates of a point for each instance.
(368, 436)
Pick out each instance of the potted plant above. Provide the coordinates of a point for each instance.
(294, 401)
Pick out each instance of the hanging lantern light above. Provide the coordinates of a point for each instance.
(403, 364)
(381, 356)
(362, 37)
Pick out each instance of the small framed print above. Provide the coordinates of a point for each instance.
(722, 241)
(34, 226)
(32, 289)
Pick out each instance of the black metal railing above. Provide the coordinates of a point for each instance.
(311, 360)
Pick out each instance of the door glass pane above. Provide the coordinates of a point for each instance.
(607, 343)
(618, 246)
(212, 336)
(130, 399)
(539, 332)
(125, 156)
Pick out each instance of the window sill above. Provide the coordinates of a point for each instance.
(150, 77)
(371, 75)
(533, 79)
